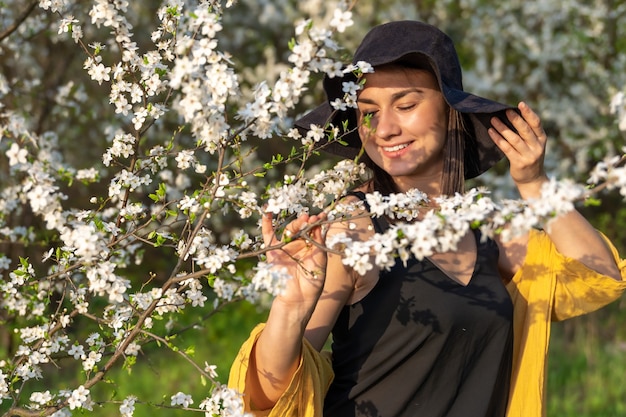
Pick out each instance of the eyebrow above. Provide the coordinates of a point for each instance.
(395, 96)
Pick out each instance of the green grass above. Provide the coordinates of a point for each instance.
(587, 366)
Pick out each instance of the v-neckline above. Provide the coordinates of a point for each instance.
(379, 228)
(452, 274)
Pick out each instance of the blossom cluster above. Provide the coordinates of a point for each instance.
(612, 172)
(178, 179)
(618, 108)
(440, 228)
(184, 80)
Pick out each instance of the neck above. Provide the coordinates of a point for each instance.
(430, 184)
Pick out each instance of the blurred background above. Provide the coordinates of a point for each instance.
(565, 58)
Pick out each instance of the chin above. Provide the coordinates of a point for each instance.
(396, 171)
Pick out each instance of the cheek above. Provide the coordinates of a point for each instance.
(367, 141)
(372, 151)
(365, 132)
(443, 117)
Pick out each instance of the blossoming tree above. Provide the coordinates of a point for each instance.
(132, 186)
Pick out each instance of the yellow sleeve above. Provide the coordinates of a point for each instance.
(579, 289)
(548, 286)
(304, 397)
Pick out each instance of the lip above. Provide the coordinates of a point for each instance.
(396, 150)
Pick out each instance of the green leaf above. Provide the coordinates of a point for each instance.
(160, 240)
(24, 262)
(159, 194)
(211, 279)
(593, 202)
(129, 361)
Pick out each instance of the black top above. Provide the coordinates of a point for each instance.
(420, 344)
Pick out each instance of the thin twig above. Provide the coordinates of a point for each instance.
(19, 20)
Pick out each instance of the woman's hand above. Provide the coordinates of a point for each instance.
(525, 149)
(572, 235)
(277, 351)
(300, 251)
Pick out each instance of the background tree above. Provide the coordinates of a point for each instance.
(141, 141)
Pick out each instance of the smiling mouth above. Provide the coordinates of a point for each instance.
(395, 148)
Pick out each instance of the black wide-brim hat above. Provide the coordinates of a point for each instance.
(420, 45)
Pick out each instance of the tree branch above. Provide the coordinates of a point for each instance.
(18, 21)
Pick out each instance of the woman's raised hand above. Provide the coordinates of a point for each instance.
(525, 149)
(300, 251)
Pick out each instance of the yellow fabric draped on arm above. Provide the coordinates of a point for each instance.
(548, 287)
(304, 397)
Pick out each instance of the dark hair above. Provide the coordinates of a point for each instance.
(453, 180)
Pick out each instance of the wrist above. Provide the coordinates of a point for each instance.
(288, 317)
(529, 190)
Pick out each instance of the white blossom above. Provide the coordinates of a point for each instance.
(269, 279)
(66, 24)
(225, 402)
(618, 108)
(127, 408)
(16, 155)
(79, 398)
(341, 20)
(4, 386)
(40, 398)
(181, 398)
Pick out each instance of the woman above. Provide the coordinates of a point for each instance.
(461, 333)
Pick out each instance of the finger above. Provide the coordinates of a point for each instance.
(527, 124)
(523, 138)
(296, 226)
(317, 233)
(524, 131)
(533, 120)
(504, 138)
(267, 230)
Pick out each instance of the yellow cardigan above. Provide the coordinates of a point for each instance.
(549, 286)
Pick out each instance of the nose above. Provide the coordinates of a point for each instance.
(385, 124)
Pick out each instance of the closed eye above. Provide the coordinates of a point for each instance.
(406, 107)
(367, 113)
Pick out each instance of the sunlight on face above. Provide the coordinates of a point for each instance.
(403, 123)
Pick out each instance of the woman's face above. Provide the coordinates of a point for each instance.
(403, 121)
